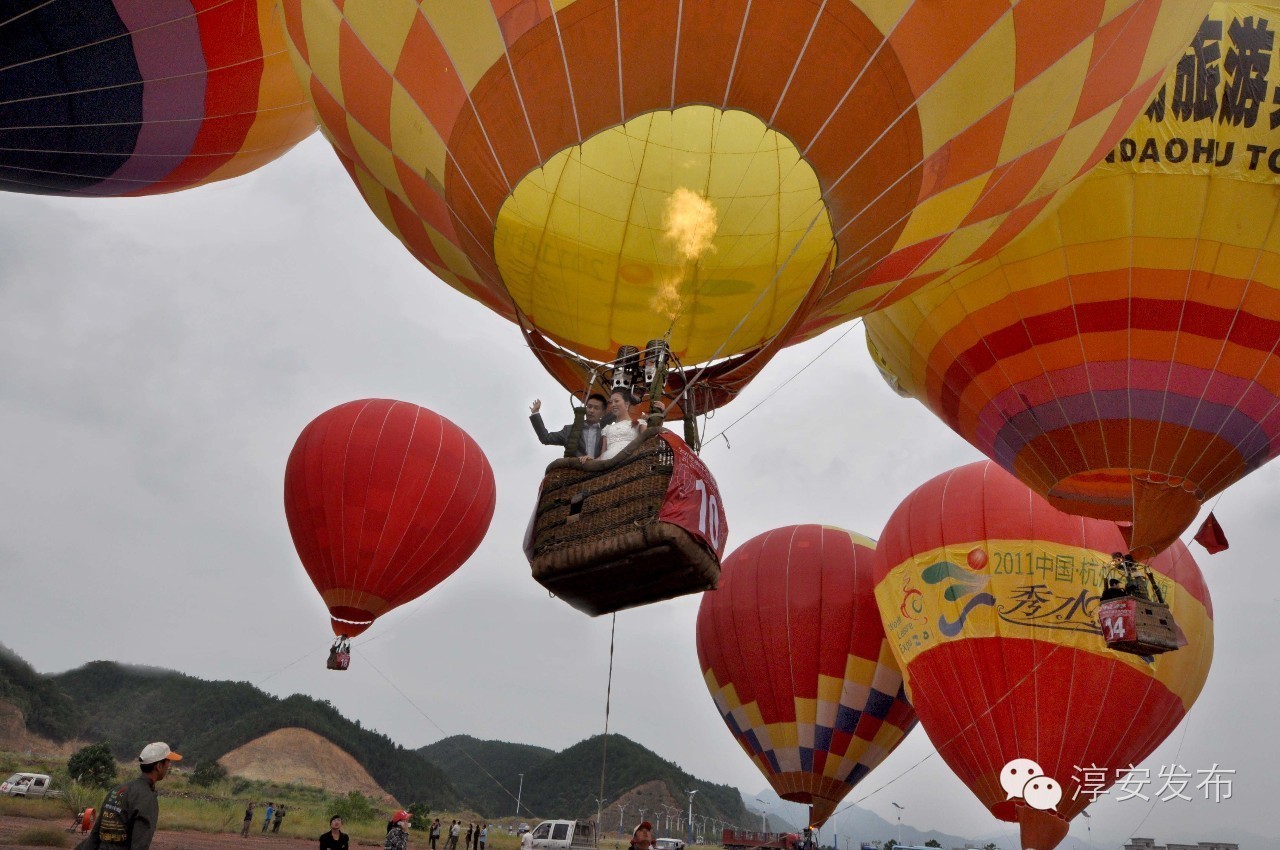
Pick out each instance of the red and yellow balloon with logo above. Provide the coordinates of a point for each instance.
(988, 595)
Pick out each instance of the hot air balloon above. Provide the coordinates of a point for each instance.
(727, 176)
(1120, 357)
(141, 97)
(795, 657)
(384, 500)
(990, 594)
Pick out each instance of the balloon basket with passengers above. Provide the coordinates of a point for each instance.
(642, 526)
(1133, 614)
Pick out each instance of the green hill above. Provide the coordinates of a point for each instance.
(472, 765)
(125, 706)
(47, 709)
(567, 783)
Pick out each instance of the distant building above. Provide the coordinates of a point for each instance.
(1150, 844)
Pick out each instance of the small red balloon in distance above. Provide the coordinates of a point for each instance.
(384, 500)
(977, 558)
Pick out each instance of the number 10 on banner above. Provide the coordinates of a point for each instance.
(708, 514)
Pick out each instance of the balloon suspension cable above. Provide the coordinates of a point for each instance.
(972, 723)
(608, 695)
(722, 432)
(365, 659)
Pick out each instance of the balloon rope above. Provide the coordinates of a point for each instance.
(367, 660)
(778, 388)
(608, 696)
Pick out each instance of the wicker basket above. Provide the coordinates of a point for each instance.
(597, 541)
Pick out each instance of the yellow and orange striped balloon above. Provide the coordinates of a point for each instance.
(728, 173)
(1120, 358)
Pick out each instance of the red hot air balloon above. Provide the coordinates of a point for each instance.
(385, 500)
(1001, 652)
(794, 654)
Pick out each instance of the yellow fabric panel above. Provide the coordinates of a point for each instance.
(381, 26)
(1077, 145)
(858, 539)
(375, 157)
(415, 142)
(830, 689)
(961, 246)
(885, 14)
(806, 710)
(470, 36)
(980, 81)
(452, 255)
(942, 212)
(782, 736)
(1044, 106)
(1014, 563)
(321, 24)
(590, 245)
(1170, 35)
(860, 671)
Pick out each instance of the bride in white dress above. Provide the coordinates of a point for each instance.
(619, 433)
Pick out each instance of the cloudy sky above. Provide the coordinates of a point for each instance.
(161, 355)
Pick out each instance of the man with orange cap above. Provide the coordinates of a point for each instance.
(130, 814)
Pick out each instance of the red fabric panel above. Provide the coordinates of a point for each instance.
(693, 500)
(1211, 536)
(233, 55)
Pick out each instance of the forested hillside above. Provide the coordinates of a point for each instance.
(567, 783)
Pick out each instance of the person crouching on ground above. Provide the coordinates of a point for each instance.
(131, 813)
(335, 838)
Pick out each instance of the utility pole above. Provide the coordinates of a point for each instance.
(691, 793)
(599, 819)
(519, 792)
(900, 811)
(763, 817)
(622, 811)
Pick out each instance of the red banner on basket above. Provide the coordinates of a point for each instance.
(693, 499)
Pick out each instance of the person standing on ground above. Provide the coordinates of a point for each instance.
(484, 836)
(470, 829)
(526, 840)
(335, 838)
(454, 832)
(397, 839)
(435, 833)
(275, 826)
(271, 811)
(130, 813)
(248, 819)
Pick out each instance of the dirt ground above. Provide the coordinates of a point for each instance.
(166, 839)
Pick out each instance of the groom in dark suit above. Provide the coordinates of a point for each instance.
(589, 441)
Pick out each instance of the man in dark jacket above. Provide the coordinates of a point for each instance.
(588, 441)
(130, 813)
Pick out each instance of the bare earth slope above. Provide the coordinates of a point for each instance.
(301, 756)
(15, 737)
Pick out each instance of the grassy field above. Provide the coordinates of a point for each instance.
(219, 808)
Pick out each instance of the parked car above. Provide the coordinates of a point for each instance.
(668, 844)
(28, 785)
(564, 835)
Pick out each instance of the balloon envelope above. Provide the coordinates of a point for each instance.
(794, 655)
(608, 171)
(1120, 357)
(141, 97)
(384, 500)
(989, 595)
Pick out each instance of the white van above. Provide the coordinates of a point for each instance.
(564, 835)
(26, 785)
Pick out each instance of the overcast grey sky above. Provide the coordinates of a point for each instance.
(161, 355)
